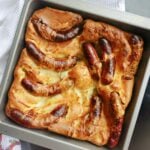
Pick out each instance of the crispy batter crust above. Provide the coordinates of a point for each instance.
(82, 107)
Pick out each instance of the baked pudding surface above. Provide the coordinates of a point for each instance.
(74, 77)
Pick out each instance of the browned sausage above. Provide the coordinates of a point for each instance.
(92, 58)
(21, 118)
(108, 59)
(37, 121)
(96, 106)
(116, 105)
(40, 89)
(57, 64)
(105, 46)
(90, 53)
(108, 70)
(60, 111)
(94, 114)
(137, 48)
(116, 129)
(49, 34)
(117, 121)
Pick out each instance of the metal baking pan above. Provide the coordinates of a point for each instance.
(126, 21)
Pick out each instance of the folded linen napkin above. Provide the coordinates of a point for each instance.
(10, 11)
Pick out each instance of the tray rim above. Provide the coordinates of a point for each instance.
(143, 21)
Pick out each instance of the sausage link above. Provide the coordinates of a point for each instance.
(49, 34)
(117, 121)
(117, 108)
(92, 119)
(116, 129)
(21, 118)
(60, 111)
(92, 58)
(70, 34)
(108, 68)
(57, 64)
(35, 121)
(90, 53)
(96, 106)
(105, 46)
(40, 89)
(135, 56)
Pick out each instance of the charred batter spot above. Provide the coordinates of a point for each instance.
(135, 39)
(127, 77)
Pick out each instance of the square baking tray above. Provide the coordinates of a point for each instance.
(126, 21)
